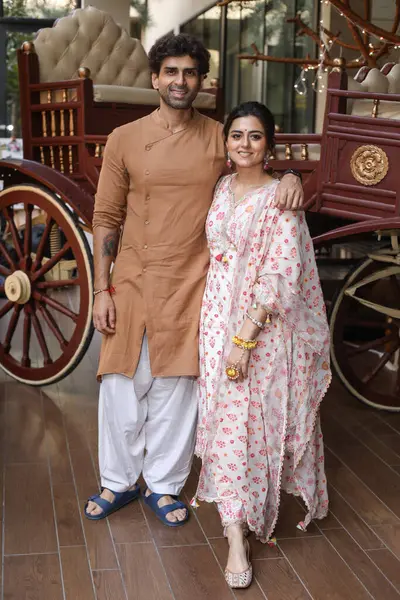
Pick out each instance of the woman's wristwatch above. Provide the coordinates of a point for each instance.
(293, 172)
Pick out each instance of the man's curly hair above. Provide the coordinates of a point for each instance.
(182, 44)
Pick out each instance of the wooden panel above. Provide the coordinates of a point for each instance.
(25, 432)
(290, 513)
(390, 534)
(76, 574)
(388, 564)
(67, 515)
(380, 478)
(351, 521)
(108, 585)
(29, 522)
(143, 572)
(194, 573)
(322, 570)
(278, 580)
(56, 443)
(35, 577)
(376, 583)
(361, 499)
(190, 533)
(98, 538)
(129, 524)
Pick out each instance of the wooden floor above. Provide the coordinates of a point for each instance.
(49, 552)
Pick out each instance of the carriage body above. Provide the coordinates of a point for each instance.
(352, 189)
(83, 78)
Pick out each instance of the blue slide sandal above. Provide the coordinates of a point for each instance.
(120, 500)
(161, 513)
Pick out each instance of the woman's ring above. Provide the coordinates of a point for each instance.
(232, 372)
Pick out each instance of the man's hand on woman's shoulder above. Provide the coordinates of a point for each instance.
(289, 193)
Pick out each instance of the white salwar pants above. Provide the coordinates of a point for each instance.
(146, 425)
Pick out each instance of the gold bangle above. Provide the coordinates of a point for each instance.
(244, 344)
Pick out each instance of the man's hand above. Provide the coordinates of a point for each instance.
(104, 315)
(289, 193)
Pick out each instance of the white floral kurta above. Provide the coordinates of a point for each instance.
(263, 435)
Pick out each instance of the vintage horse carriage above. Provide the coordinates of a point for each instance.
(83, 78)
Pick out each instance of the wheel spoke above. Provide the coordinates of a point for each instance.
(51, 262)
(370, 345)
(48, 317)
(57, 283)
(7, 256)
(42, 342)
(363, 323)
(28, 232)
(56, 305)
(6, 308)
(42, 244)
(395, 285)
(13, 229)
(11, 327)
(379, 366)
(26, 361)
(4, 271)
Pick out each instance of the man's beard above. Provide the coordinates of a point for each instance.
(178, 103)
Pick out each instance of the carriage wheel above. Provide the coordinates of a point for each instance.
(365, 334)
(47, 292)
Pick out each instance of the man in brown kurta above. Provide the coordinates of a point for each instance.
(156, 184)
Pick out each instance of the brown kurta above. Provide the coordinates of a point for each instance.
(159, 185)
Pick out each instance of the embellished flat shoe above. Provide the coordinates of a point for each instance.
(240, 580)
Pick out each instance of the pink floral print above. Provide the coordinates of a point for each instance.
(263, 435)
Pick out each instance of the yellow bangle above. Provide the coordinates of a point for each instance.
(244, 344)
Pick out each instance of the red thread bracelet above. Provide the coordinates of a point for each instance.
(110, 290)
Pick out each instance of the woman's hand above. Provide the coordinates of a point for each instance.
(240, 359)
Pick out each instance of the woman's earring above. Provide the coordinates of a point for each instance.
(266, 163)
(228, 161)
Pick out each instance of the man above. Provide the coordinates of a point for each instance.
(156, 183)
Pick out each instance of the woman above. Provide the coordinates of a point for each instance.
(264, 348)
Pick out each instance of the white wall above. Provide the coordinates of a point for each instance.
(168, 15)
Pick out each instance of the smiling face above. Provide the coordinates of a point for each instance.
(178, 82)
(247, 143)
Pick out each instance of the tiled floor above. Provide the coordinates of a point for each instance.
(50, 552)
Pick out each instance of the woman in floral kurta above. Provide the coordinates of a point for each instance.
(261, 434)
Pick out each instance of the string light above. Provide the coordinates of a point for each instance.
(300, 85)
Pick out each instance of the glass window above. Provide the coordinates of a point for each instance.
(207, 28)
(38, 9)
(28, 16)
(262, 22)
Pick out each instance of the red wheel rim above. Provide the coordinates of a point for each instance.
(365, 342)
(34, 347)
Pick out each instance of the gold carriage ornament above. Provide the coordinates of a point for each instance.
(369, 164)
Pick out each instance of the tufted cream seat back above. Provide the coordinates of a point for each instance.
(90, 38)
(378, 83)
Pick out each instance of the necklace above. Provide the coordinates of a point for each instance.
(225, 244)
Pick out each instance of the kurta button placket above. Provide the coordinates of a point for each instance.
(148, 298)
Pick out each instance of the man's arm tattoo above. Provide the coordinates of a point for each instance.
(109, 247)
